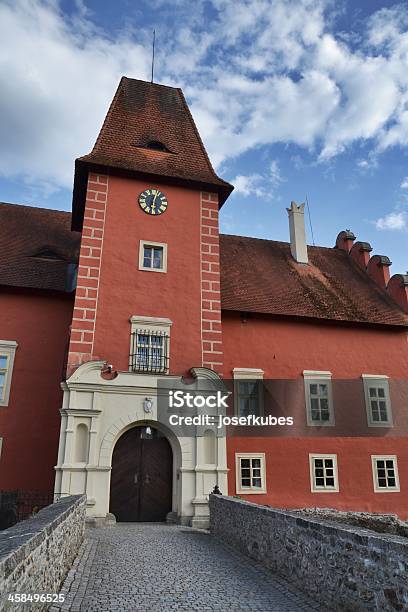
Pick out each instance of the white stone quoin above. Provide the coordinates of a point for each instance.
(298, 246)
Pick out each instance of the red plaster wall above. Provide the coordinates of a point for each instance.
(288, 476)
(283, 349)
(30, 424)
(124, 290)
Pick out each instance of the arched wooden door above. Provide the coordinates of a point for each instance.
(141, 478)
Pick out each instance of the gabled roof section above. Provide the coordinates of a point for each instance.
(26, 234)
(142, 113)
(261, 276)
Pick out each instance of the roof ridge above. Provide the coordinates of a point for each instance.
(43, 208)
(309, 246)
(210, 166)
(108, 114)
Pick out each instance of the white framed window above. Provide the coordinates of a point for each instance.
(149, 345)
(7, 353)
(153, 256)
(377, 400)
(385, 473)
(323, 473)
(319, 398)
(248, 391)
(250, 473)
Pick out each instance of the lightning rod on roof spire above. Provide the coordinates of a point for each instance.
(310, 220)
(154, 40)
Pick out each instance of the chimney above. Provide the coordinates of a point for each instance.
(379, 269)
(298, 246)
(360, 252)
(398, 289)
(345, 240)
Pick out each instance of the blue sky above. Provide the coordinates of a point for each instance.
(292, 99)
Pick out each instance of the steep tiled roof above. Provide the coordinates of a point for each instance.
(262, 276)
(256, 275)
(37, 246)
(142, 113)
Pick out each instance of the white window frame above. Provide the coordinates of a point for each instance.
(151, 325)
(238, 485)
(318, 377)
(378, 381)
(247, 375)
(377, 488)
(314, 488)
(8, 350)
(150, 243)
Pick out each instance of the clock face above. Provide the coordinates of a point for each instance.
(153, 201)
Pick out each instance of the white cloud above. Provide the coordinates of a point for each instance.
(260, 185)
(275, 175)
(404, 183)
(249, 185)
(255, 73)
(393, 221)
(56, 81)
(369, 163)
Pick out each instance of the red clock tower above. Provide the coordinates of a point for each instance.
(148, 295)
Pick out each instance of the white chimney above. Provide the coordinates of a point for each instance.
(298, 246)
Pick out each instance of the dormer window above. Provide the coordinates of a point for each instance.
(156, 145)
(47, 253)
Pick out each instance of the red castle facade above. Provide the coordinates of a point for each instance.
(130, 288)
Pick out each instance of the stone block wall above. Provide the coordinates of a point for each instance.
(343, 567)
(36, 554)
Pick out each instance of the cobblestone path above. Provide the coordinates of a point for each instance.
(159, 568)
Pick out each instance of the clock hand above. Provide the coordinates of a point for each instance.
(154, 200)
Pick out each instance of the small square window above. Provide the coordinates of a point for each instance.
(318, 395)
(248, 399)
(377, 398)
(385, 473)
(250, 473)
(323, 473)
(153, 256)
(248, 391)
(7, 352)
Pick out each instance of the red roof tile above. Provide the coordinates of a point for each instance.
(140, 113)
(262, 276)
(30, 238)
(256, 275)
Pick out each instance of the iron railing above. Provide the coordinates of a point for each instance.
(149, 351)
(16, 506)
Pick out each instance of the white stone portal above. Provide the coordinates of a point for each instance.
(96, 412)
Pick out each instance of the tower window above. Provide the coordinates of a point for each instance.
(153, 256)
(149, 345)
